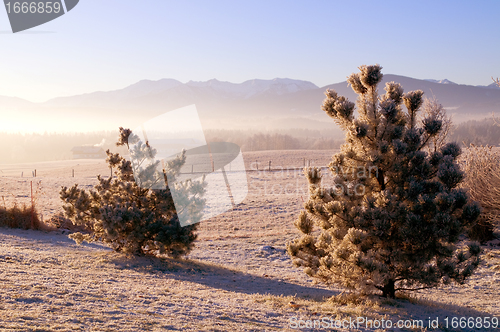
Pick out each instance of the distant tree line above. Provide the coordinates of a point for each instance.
(483, 132)
(18, 148)
(258, 141)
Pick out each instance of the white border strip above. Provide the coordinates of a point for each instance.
(64, 6)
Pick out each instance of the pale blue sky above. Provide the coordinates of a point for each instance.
(109, 44)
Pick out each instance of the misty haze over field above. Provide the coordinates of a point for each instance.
(256, 114)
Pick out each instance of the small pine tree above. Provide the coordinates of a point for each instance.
(393, 217)
(133, 217)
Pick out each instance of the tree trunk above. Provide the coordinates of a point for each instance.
(389, 290)
(381, 179)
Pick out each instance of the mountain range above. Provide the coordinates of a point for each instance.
(280, 103)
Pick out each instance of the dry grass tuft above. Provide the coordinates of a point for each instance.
(23, 216)
(348, 299)
(481, 165)
(20, 217)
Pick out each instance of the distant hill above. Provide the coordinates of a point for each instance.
(280, 103)
(464, 102)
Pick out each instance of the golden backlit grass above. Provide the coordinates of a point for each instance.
(20, 216)
(481, 165)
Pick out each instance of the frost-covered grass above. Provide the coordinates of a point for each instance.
(238, 277)
(48, 283)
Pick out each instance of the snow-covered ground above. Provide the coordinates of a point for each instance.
(238, 277)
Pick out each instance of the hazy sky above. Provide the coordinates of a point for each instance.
(109, 44)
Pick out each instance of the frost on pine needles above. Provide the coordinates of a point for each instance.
(135, 218)
(391, 216)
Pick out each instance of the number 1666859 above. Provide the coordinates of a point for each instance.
(33, 7)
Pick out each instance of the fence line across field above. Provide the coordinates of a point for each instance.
(194, 168)
(269, 167)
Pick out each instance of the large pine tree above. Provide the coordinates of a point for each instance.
(392, 215)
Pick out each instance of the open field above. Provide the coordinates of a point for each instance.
(238, 277)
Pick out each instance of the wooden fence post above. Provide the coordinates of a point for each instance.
(32, 217)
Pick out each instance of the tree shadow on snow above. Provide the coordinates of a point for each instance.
(55, 238)
(222, 278)
(216, 276)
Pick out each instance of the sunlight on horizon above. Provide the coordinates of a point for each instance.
(41, 125)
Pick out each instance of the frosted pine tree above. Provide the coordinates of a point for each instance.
(392, 215)
(134, 217)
